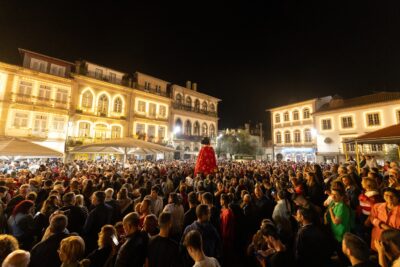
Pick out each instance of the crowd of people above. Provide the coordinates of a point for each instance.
(158, 213)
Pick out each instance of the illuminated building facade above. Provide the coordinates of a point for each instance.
(194, 116)
(343, 119)
(35, 99)
(293, 132)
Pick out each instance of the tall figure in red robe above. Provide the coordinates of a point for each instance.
(206, 162)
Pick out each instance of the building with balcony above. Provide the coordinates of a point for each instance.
(343, 119)
(35, 99)
(193, 115)
(293, 132)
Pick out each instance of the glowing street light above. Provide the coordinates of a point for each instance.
(177, 129)
(313, 132)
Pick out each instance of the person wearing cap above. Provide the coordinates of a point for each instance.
(385, 215)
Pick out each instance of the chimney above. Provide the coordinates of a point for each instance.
(194, 86)
(188, 84)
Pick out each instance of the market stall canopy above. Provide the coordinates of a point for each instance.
(12, 147)
(388, 135)
(123, 146)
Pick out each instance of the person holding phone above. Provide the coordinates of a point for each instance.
(388, 248)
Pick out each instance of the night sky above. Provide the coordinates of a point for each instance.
(253, 56)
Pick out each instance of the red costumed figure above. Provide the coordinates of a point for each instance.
(206, 162)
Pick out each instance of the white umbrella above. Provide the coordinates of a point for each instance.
(13, 147)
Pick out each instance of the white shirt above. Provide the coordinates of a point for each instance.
(207, 262)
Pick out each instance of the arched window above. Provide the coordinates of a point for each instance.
(196, 128)
(84, 129)
(306, 113)
(286, 116)
(102, 106)
(296, 115)
(204, 129)
(188, 128)
(212, 107)
(178, 98)
(307, 136)
(287, 137)
(204, 106)
(115, 132)
(197, 105)
(212, 130)
(278, 137)
(188, 101)
(87, 99)
(297, 136)
(178, 126)
(118, 105)
(277, 118)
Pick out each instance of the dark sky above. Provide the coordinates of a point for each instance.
(252, 54)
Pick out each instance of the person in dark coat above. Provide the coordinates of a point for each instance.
(190, 215)
(76, 215)
(133, 252)
(97, 218)
(105, 254)
(44, 253)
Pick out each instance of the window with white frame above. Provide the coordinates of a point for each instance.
(61, 95)
(152, 109)
(58, 124)
(21, 120)
(161, 132)
(373, 119)
(57, 70)
(44, 92)
(163, 111)
(376, 147)
(102, 106)
(347, 122)
(141, 106)
(287, 137)
(118, 105)
(278, 137)
(115, 132)
(140, 128)
(84, 129)
(40, 123)
(38, 65)
(307, 136)
(286, 116)
(297, 136)
(151, 131)
(277, 118)
(326, 124)
(295, 115)
(147, 85)
(87, 99)
(306, 113)
(25, 88)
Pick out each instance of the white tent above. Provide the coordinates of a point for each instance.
(14, 147)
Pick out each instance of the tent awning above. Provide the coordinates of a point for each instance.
(123, 146)
(12, 147)
(388, 135)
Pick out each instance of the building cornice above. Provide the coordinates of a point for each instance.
(310, 101)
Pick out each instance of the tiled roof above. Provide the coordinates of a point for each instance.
(359, 101)
(388, 135)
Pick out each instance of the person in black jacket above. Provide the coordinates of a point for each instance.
(76, 215)
(133, 252)
(97, 218)
(190, 215)
(44, 253)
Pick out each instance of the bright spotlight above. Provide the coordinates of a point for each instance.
(177, 129)
(313, 132)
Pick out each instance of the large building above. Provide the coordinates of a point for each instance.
(343, 119)
(292, 129)
(61, 105)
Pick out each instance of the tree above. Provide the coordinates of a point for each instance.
(235, 143)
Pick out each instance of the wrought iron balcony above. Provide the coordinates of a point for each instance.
(184, 107)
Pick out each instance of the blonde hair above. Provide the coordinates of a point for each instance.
(79, 200)
(18, 258)
(369, 183)
(105, 235)
(8, 244)
(72, 249)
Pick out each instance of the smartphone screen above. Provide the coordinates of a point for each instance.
(115, 240)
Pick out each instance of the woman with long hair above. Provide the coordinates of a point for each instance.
(124, 201)
(175, 207)
(352, 191)
(71, 252)
(314, 190)
(108, 243)
(21, 223)
(41, 219)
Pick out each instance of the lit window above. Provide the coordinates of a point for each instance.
(376, 147)
(87, 99)
(347, 122)
(62, 95)
(196, 128)
(287, 137)
(277, 118)
(118, 105)
(188, 128)
(44, 92)
(57, 70)
(163, 111)
(40, 123)
(179, 98)
(152, 109)
(84, 129)
(373, 119)
(102, 106)
(188, 101)
(297, 138)
(307, 136)
(326, 124)
(212, 107)
(197, 105)
(212, 130)
(161, 132)
(25, 88)
(140, 128)
(151, 131)
(204, 129)
(204, 106)
(142, 106)
(295, 115)
(286, 116)
(58, 124)
(278, 137)
(115, 132)
(21, 120)
(306, 113)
